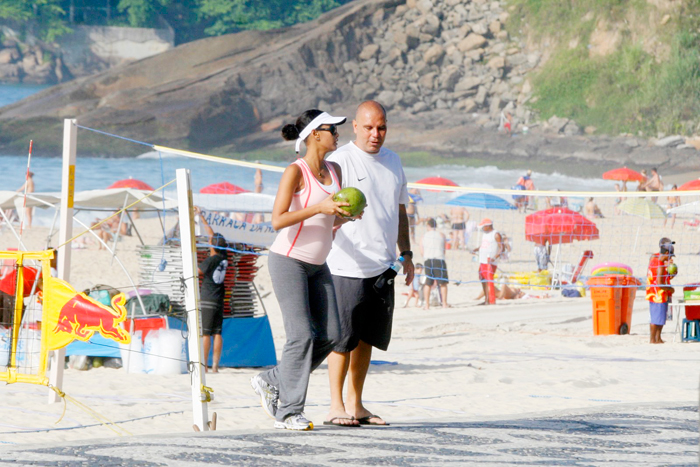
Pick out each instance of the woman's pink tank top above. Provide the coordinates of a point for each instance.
(310, 240)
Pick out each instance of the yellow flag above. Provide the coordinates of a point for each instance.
(69, 315)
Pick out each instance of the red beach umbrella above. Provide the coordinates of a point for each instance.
(223, 188)
(691, 185)
(623, 174)
(437, 181)
(131, 183)
(558, 225)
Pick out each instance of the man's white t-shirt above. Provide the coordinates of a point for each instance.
(365, 248)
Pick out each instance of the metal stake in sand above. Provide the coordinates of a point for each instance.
(191, 281)
(26, 186)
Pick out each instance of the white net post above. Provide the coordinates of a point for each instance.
(70, 141)
(191, 279)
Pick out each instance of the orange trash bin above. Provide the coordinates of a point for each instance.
(628, 294)
(606, 294)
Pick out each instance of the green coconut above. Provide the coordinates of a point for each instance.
(354, 197)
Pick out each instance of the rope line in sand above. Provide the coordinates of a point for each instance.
(41, 430)
(90, 411)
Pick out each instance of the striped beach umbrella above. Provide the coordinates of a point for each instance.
(642, 208)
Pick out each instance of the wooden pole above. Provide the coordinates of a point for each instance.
(70, 141)
(191, 280)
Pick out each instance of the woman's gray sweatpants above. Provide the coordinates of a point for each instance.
(307, 300)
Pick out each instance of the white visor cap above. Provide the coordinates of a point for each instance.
(323, 119)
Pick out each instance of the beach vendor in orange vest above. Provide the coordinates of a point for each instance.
(659, 290)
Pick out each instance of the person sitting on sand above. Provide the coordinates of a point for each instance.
(108, 229)
(654, 183)
(643, 181)
(505, 293)
(591, 210)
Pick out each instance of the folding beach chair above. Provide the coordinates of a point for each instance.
(566, 278)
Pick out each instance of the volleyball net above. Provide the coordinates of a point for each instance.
(555, 239)
(549, 238)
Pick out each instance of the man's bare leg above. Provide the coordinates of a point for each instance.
(338, 363)
(359, 366)
(443, 292)
(485, 286)
(207, 346)
(218, 345)
(426, 295)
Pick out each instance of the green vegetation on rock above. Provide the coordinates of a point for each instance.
(644, 80)
(191, 19)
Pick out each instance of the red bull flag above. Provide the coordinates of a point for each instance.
(71, 315)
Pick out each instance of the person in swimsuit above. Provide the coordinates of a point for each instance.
(459, 217)
(304, 213)
(673, 201)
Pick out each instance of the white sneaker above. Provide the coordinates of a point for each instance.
(296, 422)
(269, 395)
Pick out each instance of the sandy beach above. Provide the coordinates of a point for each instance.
(466, 362)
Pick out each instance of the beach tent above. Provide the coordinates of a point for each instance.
(480, 201)
(688, 208)
(92, 200)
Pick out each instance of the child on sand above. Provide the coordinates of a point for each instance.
(414, 292)
(658, 290)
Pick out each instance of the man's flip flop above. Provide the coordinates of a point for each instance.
(332, 420)
(365, 420)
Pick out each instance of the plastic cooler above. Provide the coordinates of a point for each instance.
(609, 294)
(692, 312)
(146, 325)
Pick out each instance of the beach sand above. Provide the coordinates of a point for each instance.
(466, 362)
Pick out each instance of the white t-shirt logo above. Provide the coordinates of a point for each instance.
(220, 272)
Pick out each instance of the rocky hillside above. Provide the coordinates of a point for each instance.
(446, 70)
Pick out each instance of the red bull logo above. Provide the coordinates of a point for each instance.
(77, 316)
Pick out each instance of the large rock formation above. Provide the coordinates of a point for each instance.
(446, 69)
(412, 56)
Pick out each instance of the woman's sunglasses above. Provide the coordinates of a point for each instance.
(333, 129)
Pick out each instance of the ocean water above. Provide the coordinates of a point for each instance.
(100, 172)
(10, 93)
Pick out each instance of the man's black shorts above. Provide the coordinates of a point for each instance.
(364, 314)
(436, 270)
(212, 317)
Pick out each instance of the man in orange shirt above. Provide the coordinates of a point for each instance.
(659, 290)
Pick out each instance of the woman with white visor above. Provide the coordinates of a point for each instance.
(304, 213)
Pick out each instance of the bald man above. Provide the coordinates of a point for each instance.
(362, 251)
